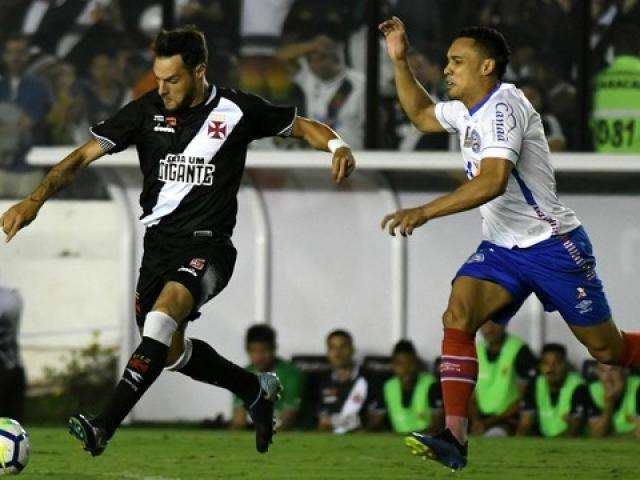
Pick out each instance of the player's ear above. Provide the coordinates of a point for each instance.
(200, 71)
(488, 66)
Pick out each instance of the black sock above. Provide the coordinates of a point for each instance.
(145, 365)
(208, 366)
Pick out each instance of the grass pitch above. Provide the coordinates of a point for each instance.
(172, 454)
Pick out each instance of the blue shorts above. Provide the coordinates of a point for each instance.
(561, 271)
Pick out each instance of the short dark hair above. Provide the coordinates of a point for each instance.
(555, 348)
(493, 44)
(340, 333)
(404, 346)
(262, 333)
(188, 42)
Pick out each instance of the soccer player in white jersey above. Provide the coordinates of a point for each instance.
(534, 244)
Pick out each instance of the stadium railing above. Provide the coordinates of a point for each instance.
(118, 171)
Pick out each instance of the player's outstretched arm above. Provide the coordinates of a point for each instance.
(415, 101)
(322, 137)
(490, 183)
(23, 213)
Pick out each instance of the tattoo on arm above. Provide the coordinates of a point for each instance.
(58, 177)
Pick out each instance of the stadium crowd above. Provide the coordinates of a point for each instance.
(517, 392)
(68, 64)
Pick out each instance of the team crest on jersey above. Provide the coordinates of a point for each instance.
(217, 128)
(186, 169)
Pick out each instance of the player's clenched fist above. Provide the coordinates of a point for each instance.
(18, 216)
(396, 37)
(406, 219)
(342, 164)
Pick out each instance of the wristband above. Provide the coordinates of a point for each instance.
(336, 143)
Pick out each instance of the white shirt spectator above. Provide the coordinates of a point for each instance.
(262, 20)
(339, 102)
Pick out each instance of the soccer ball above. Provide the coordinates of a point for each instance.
(14, 447)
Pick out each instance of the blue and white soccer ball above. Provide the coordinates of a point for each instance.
(14, 447)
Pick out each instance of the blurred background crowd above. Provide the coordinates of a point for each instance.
(68, 64)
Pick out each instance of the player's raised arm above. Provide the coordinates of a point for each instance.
(62, 174)
(322, 137)
(415, 101)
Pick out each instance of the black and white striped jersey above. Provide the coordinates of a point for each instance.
(192, 161)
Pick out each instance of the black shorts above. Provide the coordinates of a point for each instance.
(202, 263)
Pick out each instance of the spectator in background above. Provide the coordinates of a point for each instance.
(346, 402)
(428, 70)
(104, 93)
(616, 402)
(308, 19)
(134, 71)
(552, 128)
(31, 94)
(560, 95)
(25, 100)
(218, 19)
(12, 376)
(422, 21)
(223, 70)
(616, 97)
(333, 93)
(261, 348)
(506, 366)
(557, 401)
(261, 23)
(66, 120)
(413, 398)
(73, 30)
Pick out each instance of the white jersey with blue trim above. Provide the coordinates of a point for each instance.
(505, 125)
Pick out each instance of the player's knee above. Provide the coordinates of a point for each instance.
(175, 300)
(605, 354)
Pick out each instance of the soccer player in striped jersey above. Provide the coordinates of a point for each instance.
(192, 140)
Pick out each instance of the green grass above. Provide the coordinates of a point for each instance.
(162, 454)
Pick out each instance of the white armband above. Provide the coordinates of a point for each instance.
(336, 143)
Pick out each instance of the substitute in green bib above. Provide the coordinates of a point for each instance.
(506, 365)
(412, 397)
(260, 344)
(616, 97)
(616, 402)
(556, 403)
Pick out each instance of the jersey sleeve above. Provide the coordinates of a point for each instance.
(266, 119)
(502, 130)
(118, 132)
(447, 114)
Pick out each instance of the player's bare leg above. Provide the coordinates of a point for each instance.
(472, 303)
(608, 344)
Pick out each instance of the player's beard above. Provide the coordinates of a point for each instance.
(189, 95)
